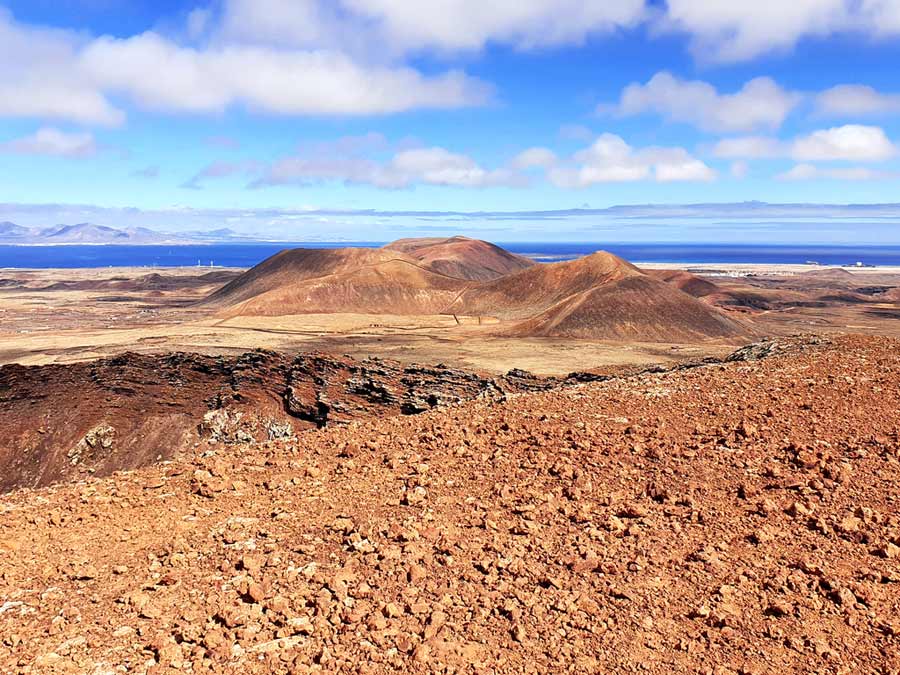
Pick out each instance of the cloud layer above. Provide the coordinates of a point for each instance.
(53, 142)
(847, 143)
(407, 168)
(760, 104)
(60, 75)
(738, 30)
(611, 160)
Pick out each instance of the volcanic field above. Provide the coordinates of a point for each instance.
(729, 509)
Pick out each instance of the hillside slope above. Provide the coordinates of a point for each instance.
(599, 296)
(633, 308)
(734, 519)
(463, 258)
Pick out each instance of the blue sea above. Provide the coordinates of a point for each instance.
(249, 254)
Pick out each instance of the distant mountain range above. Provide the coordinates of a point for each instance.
(88, 233)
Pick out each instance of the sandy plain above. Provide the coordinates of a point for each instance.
(57, 316)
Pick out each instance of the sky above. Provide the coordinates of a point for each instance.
(514, 119)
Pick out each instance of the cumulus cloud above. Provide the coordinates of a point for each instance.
(743, 29)
(407, 168)
(856, 100)
(37, 77)
(760, 103)
(802, 172)
(283, 82)
(848, 143)
(401, 26)
(851, 142)
(58, 74)
(53, 142)
(611, 160)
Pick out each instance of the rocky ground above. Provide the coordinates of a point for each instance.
(739, 518)
(66, 421)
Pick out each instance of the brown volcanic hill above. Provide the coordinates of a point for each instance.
(685, 281)
(600, 296)
(739, 519)
(349, 280)
(536, 289)
(396, 286)
(462, 258)
(291, 266)
(829, 274)
(633, 308)
(584, 298)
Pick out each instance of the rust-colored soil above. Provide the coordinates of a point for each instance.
(734, 519)
(600, 296)
(69, 421)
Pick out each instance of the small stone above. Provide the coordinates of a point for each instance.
(889, 551)
(392, 610)
(256, 593)
(416, 573)
(779, 608)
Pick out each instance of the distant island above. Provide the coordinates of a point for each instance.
(91, 234)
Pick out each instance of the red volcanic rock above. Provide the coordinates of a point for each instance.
(68, 421)
(595, 528)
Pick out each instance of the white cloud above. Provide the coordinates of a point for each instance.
(58, 74)
(401, 26)
(737, 30)
(611, 160)
(851, 142)
(37, 78)
(534, 157)
(53, 142)
(811, 172)
(749, 147)
(856, 100)
(760, 103)
(290, 83)
(419, 166)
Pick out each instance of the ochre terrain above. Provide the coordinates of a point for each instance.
(735, 519)
(599, 296)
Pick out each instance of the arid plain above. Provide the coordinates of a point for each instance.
(58, 316)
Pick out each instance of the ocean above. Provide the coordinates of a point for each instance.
(249, 254)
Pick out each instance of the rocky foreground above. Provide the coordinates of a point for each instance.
(740, 518)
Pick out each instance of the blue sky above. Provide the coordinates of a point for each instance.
(287, 117)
